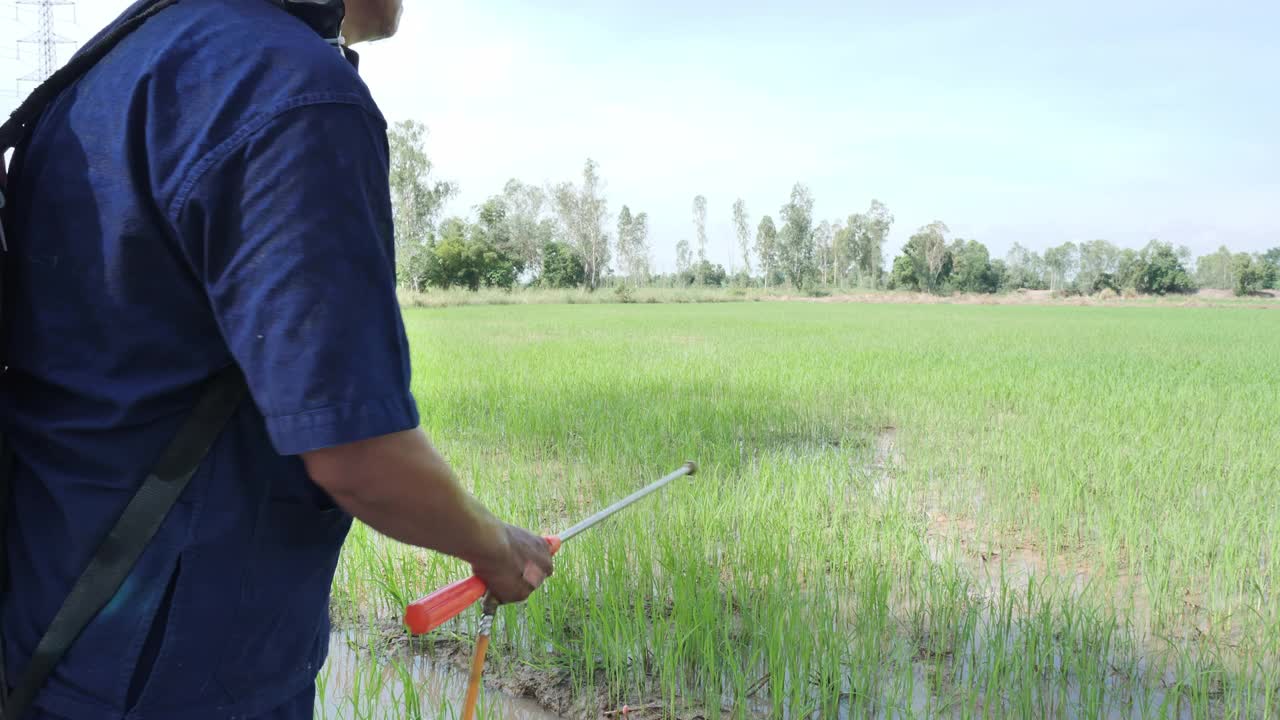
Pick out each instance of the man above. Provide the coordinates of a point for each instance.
(215, 192)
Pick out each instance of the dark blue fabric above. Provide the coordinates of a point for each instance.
(300, 707)
(215, 191)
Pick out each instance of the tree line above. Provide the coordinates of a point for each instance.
(563, 235)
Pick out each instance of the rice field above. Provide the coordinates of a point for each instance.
(901, 511)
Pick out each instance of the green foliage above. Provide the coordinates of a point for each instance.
(859, 246)
(416, 199)
(1216, 270)
(904, 276)
(1158, 270)
(1272, 259)
(700, 231)
(742, 226)
(971, 268)
(1098, 258)
(624, 293)
(796, 240)
(767, 249)
(581, 212)
(633, 245)
(462, 256)
(1024, 270)
(684, 258)
(930, 257)
(414, 266)
(1061, 263)
(526, 224)
(704, 273)
(1252, 273)
(561, 266)
(999, 275)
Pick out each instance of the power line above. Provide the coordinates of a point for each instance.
(45, 40)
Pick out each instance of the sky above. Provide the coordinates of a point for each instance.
(1025, 122)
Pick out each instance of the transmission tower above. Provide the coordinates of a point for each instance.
(45, 40)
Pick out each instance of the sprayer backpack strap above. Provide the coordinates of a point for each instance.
(141, 518)
(146, 511)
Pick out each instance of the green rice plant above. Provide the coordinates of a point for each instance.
(902, 511)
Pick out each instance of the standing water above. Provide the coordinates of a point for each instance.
(356, 685)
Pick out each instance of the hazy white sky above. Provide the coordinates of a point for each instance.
(1010, 121)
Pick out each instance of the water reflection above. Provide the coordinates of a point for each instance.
(355, 685)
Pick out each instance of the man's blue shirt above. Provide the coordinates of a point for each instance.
(215, 191)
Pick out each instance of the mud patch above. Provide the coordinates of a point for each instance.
(537, 692)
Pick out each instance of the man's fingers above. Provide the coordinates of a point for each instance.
(534, 575)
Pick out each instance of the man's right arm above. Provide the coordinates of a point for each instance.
(290, 229)
(400, 486)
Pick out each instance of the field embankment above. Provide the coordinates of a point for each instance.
(651, 295)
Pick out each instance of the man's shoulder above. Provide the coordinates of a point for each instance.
(227, 57)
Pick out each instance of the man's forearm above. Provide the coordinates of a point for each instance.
(400, 486)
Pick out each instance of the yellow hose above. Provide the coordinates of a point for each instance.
(477, 668)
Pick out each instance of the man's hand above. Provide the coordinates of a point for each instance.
(521, 562)
(398, 485)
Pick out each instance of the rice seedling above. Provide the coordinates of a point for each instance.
(901, 511)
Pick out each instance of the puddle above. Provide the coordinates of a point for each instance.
(355, 685)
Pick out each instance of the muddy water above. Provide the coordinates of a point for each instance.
(353, 685)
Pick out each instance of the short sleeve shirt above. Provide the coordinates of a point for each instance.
(215, 191)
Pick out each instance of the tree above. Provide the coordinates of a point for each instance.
(465, 255)
(492, 237)
(795, 242)
(1252, 273)
(1272, 259)
(581, 213)
(700, 229)
(971, 268)
(999, 275)
(625, 224)
(860, 247)
(903, 276)
(528, 228)
(930, 257)
(414, 266)
(767, 248)
(561, 266)
(456, 262)
(1216, 270)
(704, 272)
(1099, 262)
(416, 199)
(822, 244)
(1061, 262)
(743, 226)
(633, 249)
(1024, 268)
(1158, 270)
(684, 259)
(639, 267)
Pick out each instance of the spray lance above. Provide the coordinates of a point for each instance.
(430, 612)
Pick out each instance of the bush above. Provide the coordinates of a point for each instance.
(624, 294)
(1252, 274)
(561, 266)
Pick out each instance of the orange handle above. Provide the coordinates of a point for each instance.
(430, 612)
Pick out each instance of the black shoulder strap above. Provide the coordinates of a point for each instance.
(20, 121)
(115, 557)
